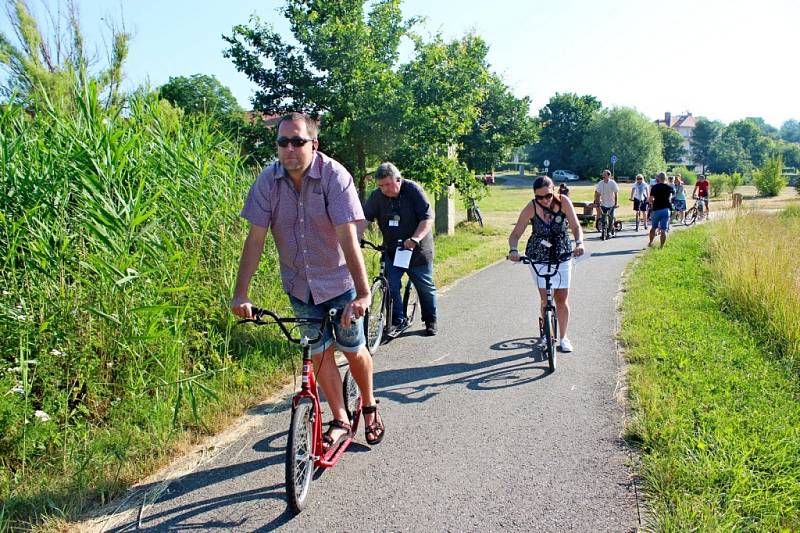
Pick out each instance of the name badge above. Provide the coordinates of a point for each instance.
(394, 221)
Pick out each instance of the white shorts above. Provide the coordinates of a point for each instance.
(561, 278)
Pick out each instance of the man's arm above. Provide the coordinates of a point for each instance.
(347, 234)
(422, 230)
(248, 264)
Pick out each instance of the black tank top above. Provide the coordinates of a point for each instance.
(554, 232)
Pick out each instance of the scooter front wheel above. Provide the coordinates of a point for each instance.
(300, 455)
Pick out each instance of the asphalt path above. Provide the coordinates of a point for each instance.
(480, 437)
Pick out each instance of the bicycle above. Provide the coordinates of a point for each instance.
(378, 318)
(304, 449)
(474, 212)
(695, 212)
(548, 324)
(606, 224)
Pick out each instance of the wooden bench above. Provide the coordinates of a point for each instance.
(585, 212)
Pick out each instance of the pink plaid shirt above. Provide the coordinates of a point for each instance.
(304, 225)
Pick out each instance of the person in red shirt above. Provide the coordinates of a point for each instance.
(701, 191)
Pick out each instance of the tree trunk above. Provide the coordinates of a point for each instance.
(361, 169)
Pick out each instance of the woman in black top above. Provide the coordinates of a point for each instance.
(550, 216)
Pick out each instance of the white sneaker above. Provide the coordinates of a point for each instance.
(566, 346)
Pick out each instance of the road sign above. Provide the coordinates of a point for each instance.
(546, 162)
(613, 159)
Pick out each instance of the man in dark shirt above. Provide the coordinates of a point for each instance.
(404, 214)
(660, 201)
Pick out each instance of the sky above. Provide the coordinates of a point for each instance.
(724, 60)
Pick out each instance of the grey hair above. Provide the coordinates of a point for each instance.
(661, 176)
(387, 170)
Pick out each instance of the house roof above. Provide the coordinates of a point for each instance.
(677, 121)
(684, 121)
(253, 116)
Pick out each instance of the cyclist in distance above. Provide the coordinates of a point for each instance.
(404, 214)
(639, 194)
(606, 196)
(701, 191)
(309, 203)
(550, 216)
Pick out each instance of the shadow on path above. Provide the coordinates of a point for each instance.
(399, 384)
(617, 252)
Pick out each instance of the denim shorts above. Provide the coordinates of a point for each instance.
(679, 205)
(347, 339)
(660, 218)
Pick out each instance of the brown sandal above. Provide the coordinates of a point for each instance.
(373, 432)
(327, 439)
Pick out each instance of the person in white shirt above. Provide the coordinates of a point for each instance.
(640, 192)
(606, 196)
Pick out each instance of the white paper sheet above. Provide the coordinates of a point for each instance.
(402, 258)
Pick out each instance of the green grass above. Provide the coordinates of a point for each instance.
(470, 249)
(715, 412)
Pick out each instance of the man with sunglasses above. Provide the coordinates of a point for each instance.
(310, 204)
(405, 215)
(606, 197)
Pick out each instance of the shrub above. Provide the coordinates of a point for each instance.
(734, 180)
(689, 176)
(717, 183)
(769, 179)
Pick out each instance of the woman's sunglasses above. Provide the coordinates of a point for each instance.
(543, 196)
(297, 142)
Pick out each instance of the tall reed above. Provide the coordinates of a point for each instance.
(759, 276)
(119, 237)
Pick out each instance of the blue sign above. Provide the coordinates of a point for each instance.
(613, 159)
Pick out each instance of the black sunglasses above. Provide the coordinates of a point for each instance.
(543, 196)
(297, 142)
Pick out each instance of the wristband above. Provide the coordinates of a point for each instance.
(578, 243)
(415, 241)
(513, 250)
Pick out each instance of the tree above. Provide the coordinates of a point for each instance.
(342, 70)
(200, 93)
(40, 66)
(790, 131)
(791, 154)
(564, 122)
(623, 131)
(756, 144)
(443, 88)
(673, 144)
(503, 124)
(763, 127)
(704, 134)
(727, 154)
